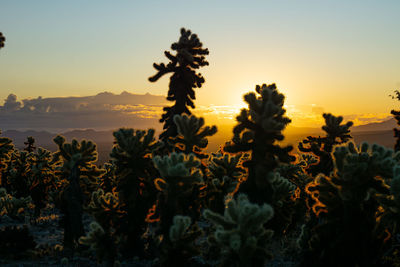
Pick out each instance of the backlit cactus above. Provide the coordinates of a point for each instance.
(258, 130)
(336, 133)
(192, 136)
(240, 232)
(190, 56)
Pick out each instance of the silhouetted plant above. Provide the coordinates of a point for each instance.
(225, 174)
(396, 115)
(12, 206)
(6, 147)
(30, 144)
(101, 243)
(2, 40)
(181, 247)
(78, 180)
(240, 232)
(179, 183)
(336, 134)
(259, 127)
(19, 173)
(192, 136)
(135, 173)
(190, 56)
(42, 178)
(347, 203)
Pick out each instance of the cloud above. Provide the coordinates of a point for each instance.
(103, 111)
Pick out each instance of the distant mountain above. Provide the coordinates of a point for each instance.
(378, 126)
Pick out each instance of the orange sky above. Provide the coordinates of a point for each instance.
(325, 56)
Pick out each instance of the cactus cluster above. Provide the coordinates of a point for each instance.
(169, 203)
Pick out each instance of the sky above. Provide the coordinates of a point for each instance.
(325, 56)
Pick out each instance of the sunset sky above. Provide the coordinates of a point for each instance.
(325, 56)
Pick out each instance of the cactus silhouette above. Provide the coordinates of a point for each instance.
(240, 232)
(134, 175)
(178, 186)
(192, 136)
(190, 56)
(347, 203)
(30, 144)
(259, 127)
(336, 133)
(6, 147)
(2, 40)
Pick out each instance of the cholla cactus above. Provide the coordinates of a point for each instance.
(259, 128)
(348, 202)
(11, 206)
(30, 144)
(19, 173)
(190, 56)
(241, 234)
(181, 247)
(225, 174)
(42, 178)
(134, 173)
(83, 155)
(179, 184)
(2, 40)
(106, 208)
(78, 180)
(101, 243)
(336, 133)
(192, 136)
(6, 147)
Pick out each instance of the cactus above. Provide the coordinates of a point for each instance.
(83, 155)
(19, 173)
(190, 56)
(101, 243)
(12, 206)
(42, 178)
(240, 232)
(30, 144)
(2, 40)
(259, 128)
(336, 133)
(6, 147)
(179, 185)
(181, 247)
(192, 135)
(225, 174)
(347, 203)
(134, 172)
(78, 180)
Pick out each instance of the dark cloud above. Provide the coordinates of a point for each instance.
(102, 112)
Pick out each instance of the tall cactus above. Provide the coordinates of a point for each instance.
(258, 130)
(134, 172)
(6, 147)
(336, 134)
(78, 180)
(190, 56)
(2, 40)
